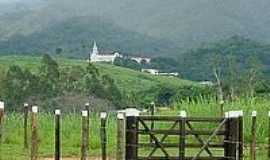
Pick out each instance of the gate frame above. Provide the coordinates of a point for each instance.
(233, 137)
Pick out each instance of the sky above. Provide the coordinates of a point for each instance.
(9, 1)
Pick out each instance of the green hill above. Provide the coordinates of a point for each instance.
(143, 86)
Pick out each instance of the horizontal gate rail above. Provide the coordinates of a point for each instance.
(224, 134)
(177, 118)
(176, 145)
(177, 158)
(176, 132)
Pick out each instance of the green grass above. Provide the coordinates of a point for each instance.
(12, 147)
(127, 80)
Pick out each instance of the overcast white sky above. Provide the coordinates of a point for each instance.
(9, 1)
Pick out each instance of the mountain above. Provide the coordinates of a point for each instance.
(165, 28)
(197, 64)
(76, 35)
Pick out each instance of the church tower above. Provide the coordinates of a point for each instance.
(95, 49)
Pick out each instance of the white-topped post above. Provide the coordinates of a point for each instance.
(57, 112)
(35, 109)
(25, 104)
(254, 113)
(34, 138)
(57, 136)
(103, 115)
(26, 110)
(268, 155)
(85, 135)
(121, 138)
(183, 114)
(253, 135)
(132, 112)
(2, 105)
(84, 113)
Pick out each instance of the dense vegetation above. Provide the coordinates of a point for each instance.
(76, 35)
(12, 147)
(51, 86)
(66, 83)
(185, 24)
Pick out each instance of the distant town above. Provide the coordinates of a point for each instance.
(95, 57)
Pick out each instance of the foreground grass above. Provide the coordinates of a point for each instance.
(12, 147)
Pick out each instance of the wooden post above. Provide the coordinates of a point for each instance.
(34, 130)
(227, 135)
(103, 136)
(221, 108)
(253, 136)
(182, 129)
(152, 112)
(25, 124)
(85, 135)
(131, 136)
(120, 153)
(233, 137)
(2, 106)
(241, 135)
(268, 135)
(57, 134)
(87, 108)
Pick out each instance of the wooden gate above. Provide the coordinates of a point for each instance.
(183, 138)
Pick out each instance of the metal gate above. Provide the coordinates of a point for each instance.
(184, 138)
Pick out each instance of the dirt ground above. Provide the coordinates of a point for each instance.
(76, 158)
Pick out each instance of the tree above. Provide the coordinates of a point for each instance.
(217, 70)
(233, 75)
(49, 76)
(254, 74)
(58, 51)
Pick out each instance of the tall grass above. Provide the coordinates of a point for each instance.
(12, 147)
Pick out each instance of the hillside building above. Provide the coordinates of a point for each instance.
(95, 56)
(141, 59)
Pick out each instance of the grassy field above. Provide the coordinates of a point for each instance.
(12, 147)
(126, 79)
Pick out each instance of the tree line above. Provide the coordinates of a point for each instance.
(52, 86)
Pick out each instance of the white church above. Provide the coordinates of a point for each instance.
(95, 56)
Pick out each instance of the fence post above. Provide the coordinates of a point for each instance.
(57, 134)
(131, 135)
(34, 130)
(85, 135)
(268, 135)
(87, 108)
(233, 135)
(182, 129)
(2, 106)
(253, 136)
(241, 135)
(152, 112)
(103, 118)
(25, 124)
(120, 153)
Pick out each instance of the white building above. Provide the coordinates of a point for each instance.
(151, 71)
(95, 56)
(173, 74)
(141, 59)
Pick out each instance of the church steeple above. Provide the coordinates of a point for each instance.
(95, 49)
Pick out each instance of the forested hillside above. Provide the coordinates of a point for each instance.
(66, 83)
(156, 28)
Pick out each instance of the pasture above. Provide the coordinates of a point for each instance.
(12, 147)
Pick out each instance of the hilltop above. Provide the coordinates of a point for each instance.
(163, 28)
(141, 88)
